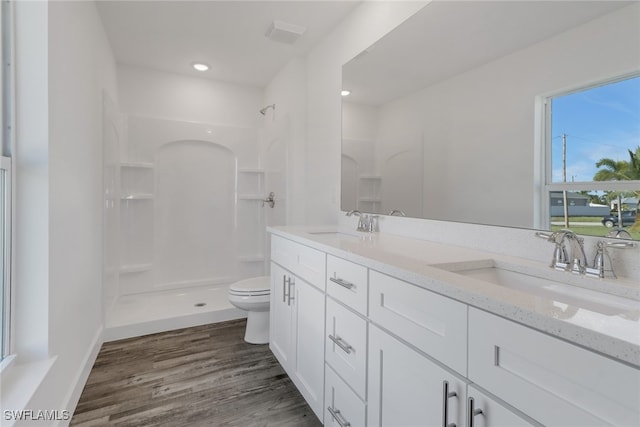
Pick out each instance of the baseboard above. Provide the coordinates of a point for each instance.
(137, 329)
(71, 401)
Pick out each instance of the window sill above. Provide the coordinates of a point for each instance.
(19, 382)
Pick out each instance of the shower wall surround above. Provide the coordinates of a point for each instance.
(191, 205)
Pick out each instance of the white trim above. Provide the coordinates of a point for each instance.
(6, 321)
(594, 185)
(73, 396)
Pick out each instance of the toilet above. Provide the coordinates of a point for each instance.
(252, 295)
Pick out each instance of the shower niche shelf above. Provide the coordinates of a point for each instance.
(251, 193)
(369, 187)
(135, 268)
(258, 197)
(136, 180)
(136, 223)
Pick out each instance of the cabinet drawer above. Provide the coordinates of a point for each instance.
(346, 345)
(434, 324)
(342, 405)
(303, 261)
(552, 381)
(347, 283)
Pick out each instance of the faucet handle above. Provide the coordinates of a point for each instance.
(363, 222)
(374, 226)
(602, 259)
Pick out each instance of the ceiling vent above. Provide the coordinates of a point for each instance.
(283, 32)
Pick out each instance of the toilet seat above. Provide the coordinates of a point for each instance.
(255, 286)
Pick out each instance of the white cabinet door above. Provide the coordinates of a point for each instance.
(434, 324)
(308, 367)
(550, 380)
(280, 327)
(346, 345)
(406, 389)
(486, 412)
(343, 406)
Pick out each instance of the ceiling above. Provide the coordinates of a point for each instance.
(229, 36)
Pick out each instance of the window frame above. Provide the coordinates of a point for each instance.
(6, 298)
(7, 138)
(545, 141)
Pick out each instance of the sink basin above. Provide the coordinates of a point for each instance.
(527, 281)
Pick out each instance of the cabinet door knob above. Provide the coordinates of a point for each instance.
(342, 282)
(446, 394)
(341, 343)
(471, 411)
(338, 417)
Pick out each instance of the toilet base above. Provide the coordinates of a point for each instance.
(257, 331)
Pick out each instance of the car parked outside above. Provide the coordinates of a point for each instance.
(628, 218)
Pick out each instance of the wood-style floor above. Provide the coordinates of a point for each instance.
(200, 376)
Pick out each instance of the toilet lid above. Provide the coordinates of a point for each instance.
(255, 285)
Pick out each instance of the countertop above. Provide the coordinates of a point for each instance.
(610, 326)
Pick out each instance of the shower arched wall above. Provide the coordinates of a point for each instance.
(191, 213)
(194, 215)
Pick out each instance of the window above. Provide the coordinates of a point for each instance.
(592, 176)
(6, 114)
(5, 253)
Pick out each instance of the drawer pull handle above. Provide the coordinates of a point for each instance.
(342, 282)
(292, 282)
(284, 288)
(341, 343)
(338, 417)
(446, 394)
(471, 411)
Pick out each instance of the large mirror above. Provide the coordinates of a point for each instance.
(446, 116)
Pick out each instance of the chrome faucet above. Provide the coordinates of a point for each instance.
(366, 222)
(577, 262)
(602, 259)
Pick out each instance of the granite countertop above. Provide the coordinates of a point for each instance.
(601, 315)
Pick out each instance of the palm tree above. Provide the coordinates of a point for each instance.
(621, 170)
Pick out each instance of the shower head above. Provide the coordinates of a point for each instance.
(264, 110)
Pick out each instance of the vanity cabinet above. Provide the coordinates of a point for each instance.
(297, 316)
(554, 382)
(368, 349)
(406, 388)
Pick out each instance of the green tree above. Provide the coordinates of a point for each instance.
(621, 170)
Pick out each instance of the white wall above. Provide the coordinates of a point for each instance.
(316, 156)
(288, 90)
(149, 93)
(63, 64)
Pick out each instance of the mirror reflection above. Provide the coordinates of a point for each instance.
(449, 116)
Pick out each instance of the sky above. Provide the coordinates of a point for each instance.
(600, 122)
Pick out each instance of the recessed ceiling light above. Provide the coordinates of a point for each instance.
(345, 92)
(200, 66)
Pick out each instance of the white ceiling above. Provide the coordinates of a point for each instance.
(227, 35)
